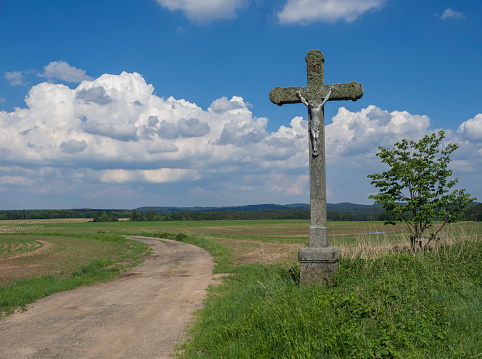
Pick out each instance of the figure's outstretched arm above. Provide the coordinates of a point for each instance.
(303, 99)
(327, 96)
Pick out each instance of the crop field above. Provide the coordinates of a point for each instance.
(25, 256)
(262, 241)
(18, 246)
(386, 302)
(35, 263)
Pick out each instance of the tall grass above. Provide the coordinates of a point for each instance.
(390, 303)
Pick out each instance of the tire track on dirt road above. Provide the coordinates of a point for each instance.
(143, 314)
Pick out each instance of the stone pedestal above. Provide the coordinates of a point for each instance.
(317, 265)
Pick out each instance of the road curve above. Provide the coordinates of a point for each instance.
(143, 314)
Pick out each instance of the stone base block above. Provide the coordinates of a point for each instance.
(317, 265)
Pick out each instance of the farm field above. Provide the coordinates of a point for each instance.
(35, 263)
(386, 302)
(263, 241)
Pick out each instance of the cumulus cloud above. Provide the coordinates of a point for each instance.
(117, 119)
(472, 129)
(95, 95)
(15, 78)
(309, 11)
(162, 175)
(61, 70)
(241, 135)
(360, 133)
(452, 14)
(73, 146)
(204, 11)
(183, 128)
(114, 131)
(224, 105)
(15, 180)
(122, 131)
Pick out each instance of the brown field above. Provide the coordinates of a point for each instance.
(281, 243)
(264, 241)
(53, 256)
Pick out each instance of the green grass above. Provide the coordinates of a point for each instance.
(75, 259)
(395, 305)
(11, 245)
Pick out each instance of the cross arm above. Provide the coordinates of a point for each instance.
(283, 95)
(344, 91)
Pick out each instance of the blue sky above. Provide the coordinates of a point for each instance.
(120, 104)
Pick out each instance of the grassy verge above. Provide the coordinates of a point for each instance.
(74, 259)
(393, 304)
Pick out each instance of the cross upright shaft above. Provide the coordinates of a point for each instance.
(314, 94)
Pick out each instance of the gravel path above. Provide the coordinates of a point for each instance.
(143, 314)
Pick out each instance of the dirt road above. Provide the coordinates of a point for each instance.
(143, 314)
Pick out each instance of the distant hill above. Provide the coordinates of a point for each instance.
(355, 208)
(337, 207)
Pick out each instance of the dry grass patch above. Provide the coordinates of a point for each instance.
(250, 251)
(57, 256)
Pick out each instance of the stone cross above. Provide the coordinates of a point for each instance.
(319, 262)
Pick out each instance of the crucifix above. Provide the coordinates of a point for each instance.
(319, 262)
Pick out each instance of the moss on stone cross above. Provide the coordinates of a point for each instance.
(316, 89)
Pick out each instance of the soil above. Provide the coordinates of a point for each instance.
(143, 314)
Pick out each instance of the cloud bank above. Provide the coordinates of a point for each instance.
(112, 140)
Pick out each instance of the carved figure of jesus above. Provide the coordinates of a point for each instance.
(315, 118)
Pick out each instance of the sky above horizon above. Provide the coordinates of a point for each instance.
(123, 104)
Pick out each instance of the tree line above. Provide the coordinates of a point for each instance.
(62, 213)
(112, 215)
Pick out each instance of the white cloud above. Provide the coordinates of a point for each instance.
(15, 78)
(15, 180)
(162, 175)
(452, 14)
(224, 105)
(308, 11)
(241, 135)
(73, 146)
(204, 11)
(116, 120)
(61, 70)
(113, 135)
(360, 133)
(183, 128)
(472, 129)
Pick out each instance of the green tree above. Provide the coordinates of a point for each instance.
(104, 217)
(416, 189)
